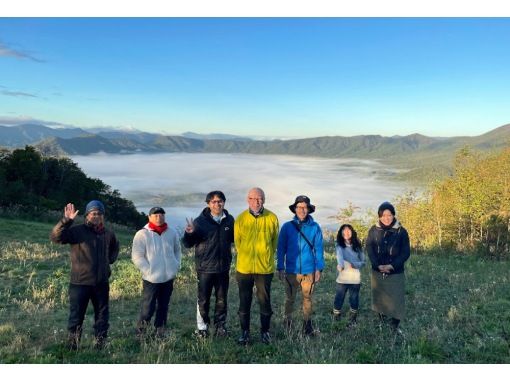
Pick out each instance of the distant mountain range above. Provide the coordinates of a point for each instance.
(414, 150)
(214, 136)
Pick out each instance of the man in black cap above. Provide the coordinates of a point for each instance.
(156, 253)
(93, 249)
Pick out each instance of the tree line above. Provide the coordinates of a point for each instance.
(468, 212)
(34, 182)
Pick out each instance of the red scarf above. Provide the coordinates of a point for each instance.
(98, 228)
(158, 229)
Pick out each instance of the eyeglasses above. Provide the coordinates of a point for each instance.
(301, 207)
(217, 202)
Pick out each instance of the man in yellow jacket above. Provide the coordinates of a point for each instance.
(256, 239)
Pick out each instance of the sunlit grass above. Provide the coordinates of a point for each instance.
(458, 312)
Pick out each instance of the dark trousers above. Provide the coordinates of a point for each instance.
(79, 296)
(155, 297)
(341, 290)
(262, 283)
(206, 283)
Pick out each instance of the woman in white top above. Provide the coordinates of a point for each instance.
(350, 259)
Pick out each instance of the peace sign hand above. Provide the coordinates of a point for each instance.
(189, 226)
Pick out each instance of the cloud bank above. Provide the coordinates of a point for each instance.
(180, 181)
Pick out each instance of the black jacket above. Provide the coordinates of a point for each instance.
(212, 242)
(91, 253)
(388, 246)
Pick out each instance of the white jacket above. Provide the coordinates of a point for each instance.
(158, 257)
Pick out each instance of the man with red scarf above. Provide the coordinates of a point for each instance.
(156, 253)
(93, 249)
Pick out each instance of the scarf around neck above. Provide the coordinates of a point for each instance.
(386, 228)
(158, 229)
(98, 228)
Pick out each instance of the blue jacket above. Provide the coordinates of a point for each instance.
(294, 253)
(355, 258)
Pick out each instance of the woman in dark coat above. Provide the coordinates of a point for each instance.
(388, 248)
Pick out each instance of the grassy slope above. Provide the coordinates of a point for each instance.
(458, 312)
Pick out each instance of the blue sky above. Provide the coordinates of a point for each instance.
(274, 77)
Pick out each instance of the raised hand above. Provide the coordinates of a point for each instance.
(189, 226)
(70, 212)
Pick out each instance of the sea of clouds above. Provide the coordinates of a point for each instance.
(179, 181)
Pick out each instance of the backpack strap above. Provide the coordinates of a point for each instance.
(304, 236)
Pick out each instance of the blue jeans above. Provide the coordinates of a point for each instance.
(341, 290)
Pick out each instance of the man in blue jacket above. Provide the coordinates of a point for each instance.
(300, 259)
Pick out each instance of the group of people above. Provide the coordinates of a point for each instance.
(295, 253)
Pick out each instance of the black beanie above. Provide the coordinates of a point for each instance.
(385, 206)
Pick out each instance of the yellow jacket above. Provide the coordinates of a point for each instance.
(256, 239)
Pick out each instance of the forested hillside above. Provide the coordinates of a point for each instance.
(468, 211)
(32, 184)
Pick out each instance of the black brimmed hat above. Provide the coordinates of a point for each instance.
(299, 199)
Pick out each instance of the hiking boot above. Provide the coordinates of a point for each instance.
(308, 328)
(73, 340)
(395, 323)
(140, 332)
(398, 332)
(161, 332)
(353, 316)
(100, 343)
(265, 337)
(201, 334)
(244, 339)
(220, 331)
(337, 314)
